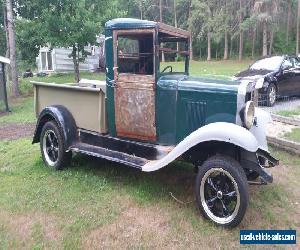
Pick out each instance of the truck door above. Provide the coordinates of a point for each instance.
(134, 91)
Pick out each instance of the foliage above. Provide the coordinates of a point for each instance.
(29, 39)
(294, 135)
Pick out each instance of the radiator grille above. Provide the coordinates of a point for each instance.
(195, 115)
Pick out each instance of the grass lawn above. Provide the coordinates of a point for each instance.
(95, 204)
(99, 204)
(294, 135)
(290, 113)
(213, 69)
(21, 111)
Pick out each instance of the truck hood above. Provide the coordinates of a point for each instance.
(185, 82)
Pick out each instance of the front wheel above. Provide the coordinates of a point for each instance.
(52, 147)
(222, 191)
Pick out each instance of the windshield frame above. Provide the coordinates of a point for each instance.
(185, 54)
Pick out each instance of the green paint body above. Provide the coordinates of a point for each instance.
(183, 103)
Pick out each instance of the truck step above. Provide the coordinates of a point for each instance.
(111, 155)
(129, 147)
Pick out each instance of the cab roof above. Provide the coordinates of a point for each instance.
(131, 23)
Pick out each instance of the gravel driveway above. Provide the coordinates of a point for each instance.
(284, 104)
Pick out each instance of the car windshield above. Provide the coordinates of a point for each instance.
(271, 63)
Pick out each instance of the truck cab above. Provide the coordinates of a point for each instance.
(148, 114)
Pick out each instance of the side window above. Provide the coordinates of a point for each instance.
(135, 54)
(287, 64)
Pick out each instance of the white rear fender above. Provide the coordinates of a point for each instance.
(219, 131)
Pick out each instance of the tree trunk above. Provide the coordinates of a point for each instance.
(271, 42)
(226, 45)
(175, 22)
(12, 48)
(141, 10)
(288, 22)
(161, 20)
(241, 47)
(75, 58)
(231, 47)
(208, 46)
(7, 68)
(265, 39)
(297, 36)
(191, 47)
(253, 43)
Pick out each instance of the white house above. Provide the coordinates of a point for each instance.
(59, 60)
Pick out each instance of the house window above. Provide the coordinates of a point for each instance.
(46, 61)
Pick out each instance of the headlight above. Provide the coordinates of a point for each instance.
(247, 114)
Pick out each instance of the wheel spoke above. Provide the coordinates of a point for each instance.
(210, 183)
(53, 155)
(230, 194)
(49, 139)
(225, 209)
(211, 202)
(222, 181)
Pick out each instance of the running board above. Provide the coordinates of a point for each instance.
(111, 155)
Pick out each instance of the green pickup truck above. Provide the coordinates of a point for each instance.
(147, 114)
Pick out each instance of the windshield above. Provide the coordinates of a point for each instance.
(173, 56)
(271, 63)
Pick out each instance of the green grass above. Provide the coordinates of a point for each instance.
(21, 111)
(294, 135)
(213, 69)
(93, 194)
(290, 113)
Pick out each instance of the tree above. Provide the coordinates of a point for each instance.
(241, 46)
(298, 22)
(12, 47)
(266, 13)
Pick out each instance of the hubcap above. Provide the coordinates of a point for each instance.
(50, 147)
(219, 195)
(272, 95)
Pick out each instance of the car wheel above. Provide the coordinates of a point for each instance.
(271, 94)
(52, 147)
(222, 191)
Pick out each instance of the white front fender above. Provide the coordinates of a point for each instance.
(219, 131)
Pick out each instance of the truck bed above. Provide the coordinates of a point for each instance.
(85, 101)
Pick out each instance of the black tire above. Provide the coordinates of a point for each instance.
(271, 95)
(52, 147)
(230, 187)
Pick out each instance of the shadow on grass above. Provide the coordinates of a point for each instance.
(177, 178)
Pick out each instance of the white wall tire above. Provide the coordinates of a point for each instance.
(222, 191)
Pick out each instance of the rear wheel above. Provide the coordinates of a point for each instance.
(52, 147)
(222, 191)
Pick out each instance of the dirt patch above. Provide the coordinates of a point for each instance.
(14, 131)
(278, 129)
(134, 226)
(29, 229)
